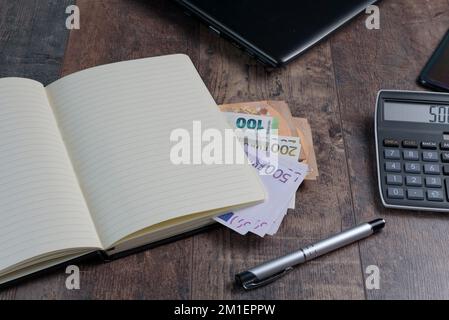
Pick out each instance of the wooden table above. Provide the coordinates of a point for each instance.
(334, 85)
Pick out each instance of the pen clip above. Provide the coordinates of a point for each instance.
(250, 285)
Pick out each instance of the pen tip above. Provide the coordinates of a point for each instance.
(245, 277)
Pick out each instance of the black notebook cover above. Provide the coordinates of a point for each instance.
(102, 257)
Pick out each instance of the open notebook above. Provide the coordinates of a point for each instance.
(85, 163)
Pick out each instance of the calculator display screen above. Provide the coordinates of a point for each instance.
(413, 112)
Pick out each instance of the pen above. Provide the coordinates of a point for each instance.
(275, 269)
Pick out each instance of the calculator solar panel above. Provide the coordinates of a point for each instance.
(412, 144)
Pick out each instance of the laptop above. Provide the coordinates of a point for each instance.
(274, 31)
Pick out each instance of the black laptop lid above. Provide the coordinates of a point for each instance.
(281, 29)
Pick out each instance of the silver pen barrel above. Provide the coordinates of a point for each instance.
(270, 271)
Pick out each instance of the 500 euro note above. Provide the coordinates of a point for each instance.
(281, 180)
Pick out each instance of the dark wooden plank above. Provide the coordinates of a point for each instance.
(116, 30)
(33, 38)
(412, 253)
(324, 207)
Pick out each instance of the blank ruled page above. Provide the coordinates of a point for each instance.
(116, 121)
(42, 209)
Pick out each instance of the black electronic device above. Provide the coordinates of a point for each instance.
(435, 74)
(274, 31)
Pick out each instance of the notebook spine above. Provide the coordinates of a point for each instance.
(102, 255)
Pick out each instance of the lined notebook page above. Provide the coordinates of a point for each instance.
(116, 121)
(42, 209)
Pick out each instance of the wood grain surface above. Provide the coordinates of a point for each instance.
(334, 85)
(33, 38)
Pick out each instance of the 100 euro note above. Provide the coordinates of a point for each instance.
(264, 109)
(261, 133)
(251, 124)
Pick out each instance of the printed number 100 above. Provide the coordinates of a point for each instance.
(252, 124)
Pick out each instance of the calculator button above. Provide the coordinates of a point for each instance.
(411, 155)
(432, 169)
(446, 170)
(413, 181)
(394, 180)
(429, 145)
(395, 193)
(393, 166)
(446, 183)
(445, 157)
(444, 145)
(412, 144)
(433, 182)
(392, 154)
(435, 195)
(430, 156)
(412, 168)
(391, 143)
(415, 194)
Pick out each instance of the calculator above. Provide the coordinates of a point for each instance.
(412, 147)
